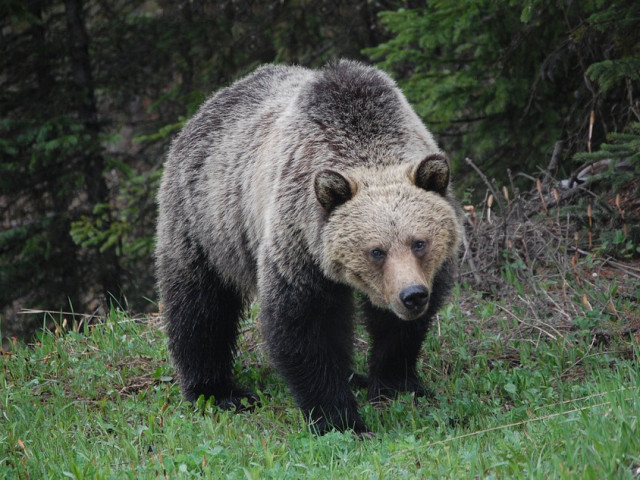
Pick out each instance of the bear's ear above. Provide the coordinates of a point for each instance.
(332, 189)
(432, 173)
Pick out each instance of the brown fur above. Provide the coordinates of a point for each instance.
(297, 187)
(371, 220)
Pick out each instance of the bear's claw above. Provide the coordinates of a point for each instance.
(380, 390)
(241, 401)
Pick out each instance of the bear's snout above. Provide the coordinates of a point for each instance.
(414, 297)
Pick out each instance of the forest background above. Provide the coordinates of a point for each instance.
(92, 92)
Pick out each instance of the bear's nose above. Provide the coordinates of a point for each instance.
(415, 297)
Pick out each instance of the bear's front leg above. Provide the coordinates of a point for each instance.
(308, 331)
(201, 317)
(395, 345)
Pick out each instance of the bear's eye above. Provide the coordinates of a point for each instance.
(418, 246)
(378, 254)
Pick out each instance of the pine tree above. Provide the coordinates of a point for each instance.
(501, 82)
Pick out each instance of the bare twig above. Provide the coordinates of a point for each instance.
(553, 164)
(485, 180)
(469, 258)
(522, 422)
(553, 337)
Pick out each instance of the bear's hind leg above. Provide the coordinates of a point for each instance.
(201, 316)
(395, 345)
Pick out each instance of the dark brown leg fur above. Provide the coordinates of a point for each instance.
(309, 335)
(201, 316)
(395, 345)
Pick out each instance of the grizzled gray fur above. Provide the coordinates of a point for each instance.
(297, 187)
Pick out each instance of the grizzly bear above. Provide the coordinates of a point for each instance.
(298, 187)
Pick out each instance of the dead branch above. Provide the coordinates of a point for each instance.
(485, 180)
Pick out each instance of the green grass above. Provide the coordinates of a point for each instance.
(102, 404)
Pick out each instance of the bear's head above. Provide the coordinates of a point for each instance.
(388, 230)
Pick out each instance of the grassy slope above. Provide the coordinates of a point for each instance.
(101, 404)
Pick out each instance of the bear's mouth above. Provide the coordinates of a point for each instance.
(404, 313)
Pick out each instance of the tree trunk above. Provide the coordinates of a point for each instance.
(107, 266)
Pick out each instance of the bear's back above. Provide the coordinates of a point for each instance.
(235, 107)
(209, 203)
